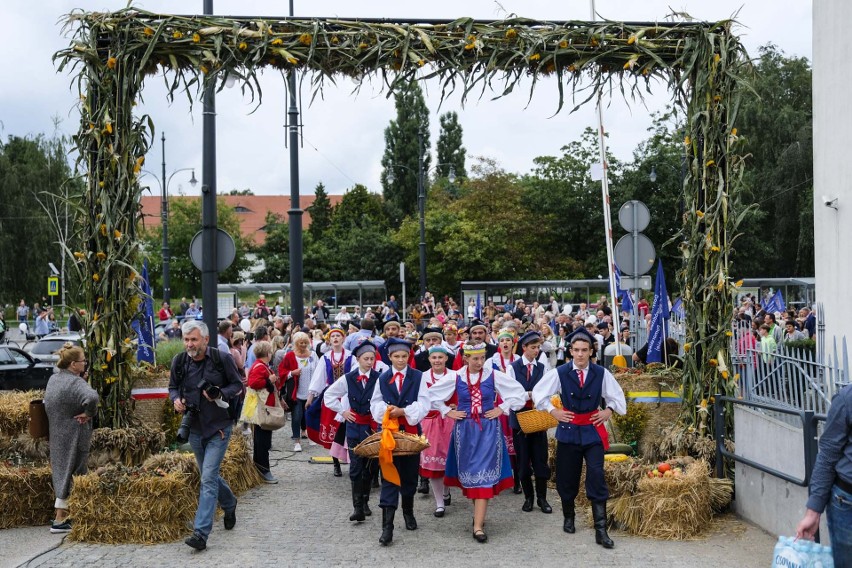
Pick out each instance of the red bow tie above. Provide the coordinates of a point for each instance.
(362, 379)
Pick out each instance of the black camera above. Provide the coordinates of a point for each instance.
(183, 429)
(212, 390)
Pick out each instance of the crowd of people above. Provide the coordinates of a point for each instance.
(460, 381)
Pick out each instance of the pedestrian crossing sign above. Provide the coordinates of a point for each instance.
(52, 286)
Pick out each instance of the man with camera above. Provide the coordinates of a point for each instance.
(200, 385)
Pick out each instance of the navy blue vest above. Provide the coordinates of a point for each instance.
(580, 401)
(410, 389)
(521, 376)
(359, 401)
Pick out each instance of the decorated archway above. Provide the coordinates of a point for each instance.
(702, 64)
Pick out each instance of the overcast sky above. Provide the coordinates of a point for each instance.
(344, 134)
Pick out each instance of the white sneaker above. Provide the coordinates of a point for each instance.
(297, 447)
(311, 443)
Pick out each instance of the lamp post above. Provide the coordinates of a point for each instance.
(421, 204)
(164, 215)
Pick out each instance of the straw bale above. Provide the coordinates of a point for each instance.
(149, 412)
(15, 410)
(672, 508)
(129, 446)
(26, 496)
(238, 467)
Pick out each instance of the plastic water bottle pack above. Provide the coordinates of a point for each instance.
(792, 553)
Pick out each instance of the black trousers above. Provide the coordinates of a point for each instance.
(409, 469)
(569, 466)
(531, 454)
(262, 445)
(360, 469)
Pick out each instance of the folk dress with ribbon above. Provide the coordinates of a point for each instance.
(477, 459)
(437, 429)
(323, 423)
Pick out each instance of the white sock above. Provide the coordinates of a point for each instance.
(437, 484)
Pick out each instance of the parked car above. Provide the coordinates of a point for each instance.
(46, 347)
(19, 371)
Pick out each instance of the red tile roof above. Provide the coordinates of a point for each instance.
(250, 209)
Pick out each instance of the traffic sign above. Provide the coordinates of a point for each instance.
(52, 286)
(645, 254)
(226, 250)
(640, 283)
(634, 211)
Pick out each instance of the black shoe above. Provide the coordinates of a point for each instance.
(568, 513)
(337, 471)
(541, 493)
(448, 499)
(387, 526)
(424, 486)
(599, 515)
(196, 542)
(480, 536)
(439, 512)
(357, 504)
(527, 485)
(408, 513)
(368, 512)
(230, 518)
(517, 489)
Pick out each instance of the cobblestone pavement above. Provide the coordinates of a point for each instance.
(303, 521)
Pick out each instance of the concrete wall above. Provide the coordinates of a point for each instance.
(832, 123)
(767, 501)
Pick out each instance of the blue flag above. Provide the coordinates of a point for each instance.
(626, 301)
(659, 318)
(143, 324)
(677, 308)
(775, 303)
(478, 312)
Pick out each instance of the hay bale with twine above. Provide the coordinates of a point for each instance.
(15, 410)
(152, 503)
(642, 389)
(672, 508)
(26, 496)
(149, 411)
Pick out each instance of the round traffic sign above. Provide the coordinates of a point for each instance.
(634, 216)
(226, 250)
(645, 255)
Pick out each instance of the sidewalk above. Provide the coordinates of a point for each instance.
(303, 520)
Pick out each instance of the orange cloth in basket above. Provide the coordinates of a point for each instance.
(386, 447)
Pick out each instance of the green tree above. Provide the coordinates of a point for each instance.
(240, 192)
(777, 122)
(406, 140)
(275, 250)
(35, 182)
(184, 223)
(320, 211)
(451, 152)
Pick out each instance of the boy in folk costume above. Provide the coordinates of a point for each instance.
(478, 335)
(357, 388)
(392, 330)
(581, 435)
(324, 424)
(477, 459)
(437, 429)
(401, 391)
(530, 449)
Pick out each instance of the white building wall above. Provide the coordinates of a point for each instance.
(832, 122)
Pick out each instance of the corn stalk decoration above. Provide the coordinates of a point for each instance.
(702, 64)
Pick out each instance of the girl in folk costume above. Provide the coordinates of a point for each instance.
(530, 449)
(357, 388)
(502, 361)
(477, 459)
(296, 370)
(437, 429)
(400, 401)
(324, 424)
(451, 338)
(581, 436)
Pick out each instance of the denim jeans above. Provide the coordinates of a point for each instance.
(839, 511)
(209, 454)
(297, 418)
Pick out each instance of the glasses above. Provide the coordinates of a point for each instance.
(81, 361)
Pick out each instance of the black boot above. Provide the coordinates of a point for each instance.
(599, 515)
(387, 525)
(541, 493)
(408, 513)
(568, 514)
(365, 492)
(517, 489)
(527, 484)
(337, 471)
(424, 486)
(357, 503)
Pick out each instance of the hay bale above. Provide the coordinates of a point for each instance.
(672, 508)
(26, 496)
(149, 412)
(238, 467)
(15, 410)
(129, 446)
(622, 478)
(127, 505)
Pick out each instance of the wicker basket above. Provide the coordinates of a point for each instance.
(532, 421)
(406, 445)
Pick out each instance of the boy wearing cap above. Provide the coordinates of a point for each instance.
(335, 363)
(530, 449)
(581, 435)
(357, 388)
(431, 336)
(402, 392)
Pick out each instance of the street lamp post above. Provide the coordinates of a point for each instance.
(421, 205)
(164, 216)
